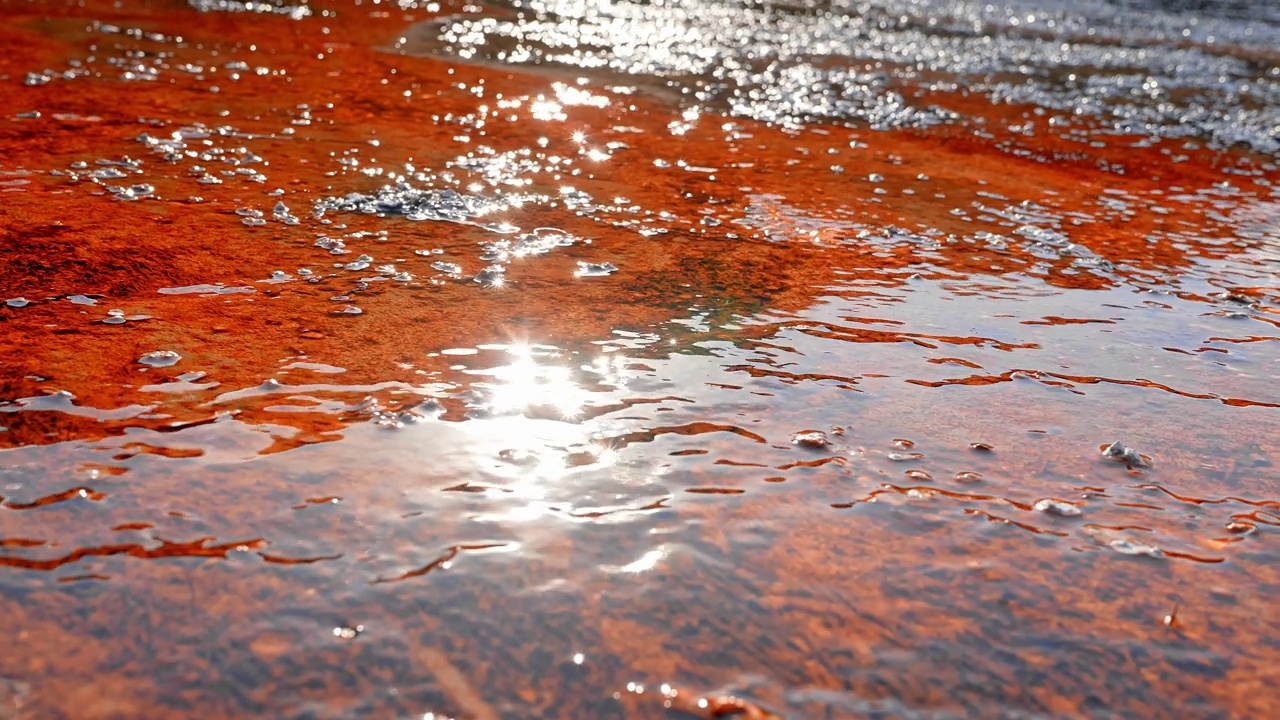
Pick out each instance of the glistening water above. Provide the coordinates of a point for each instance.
(562, 359)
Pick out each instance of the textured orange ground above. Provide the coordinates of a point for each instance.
(181, 624)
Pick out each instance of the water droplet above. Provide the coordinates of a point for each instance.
(17, 302)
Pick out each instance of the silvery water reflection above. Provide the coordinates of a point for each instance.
(877, 359)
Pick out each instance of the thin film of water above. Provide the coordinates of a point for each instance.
(691, 359)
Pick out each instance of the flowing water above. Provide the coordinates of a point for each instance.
(563, 359)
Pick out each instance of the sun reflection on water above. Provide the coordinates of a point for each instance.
(534, 425)
(525, 384)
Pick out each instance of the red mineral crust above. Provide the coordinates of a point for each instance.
(244, 533)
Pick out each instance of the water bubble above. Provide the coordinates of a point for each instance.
(348, 633)
(135, 192)
(540, 242)
(446, 267)
(1129, 546)
(426, 410)
(1056, 507)
(281, 213)
(349, 310)
(17, 302)
(967, 476)
(586, 269)
(160, 359)
(1119, 451)
(1044, 236)
(811, 438)
(419, 205)
(492, 276)
(360, 263)
(1235, 297)
(81, 300)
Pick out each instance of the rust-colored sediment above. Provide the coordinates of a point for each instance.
(195, 609)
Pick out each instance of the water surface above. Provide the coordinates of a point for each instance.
(556, 359)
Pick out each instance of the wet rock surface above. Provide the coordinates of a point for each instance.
(612, 360)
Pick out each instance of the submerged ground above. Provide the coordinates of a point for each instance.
(585, 360)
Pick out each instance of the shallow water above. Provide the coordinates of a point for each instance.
(612, 360)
